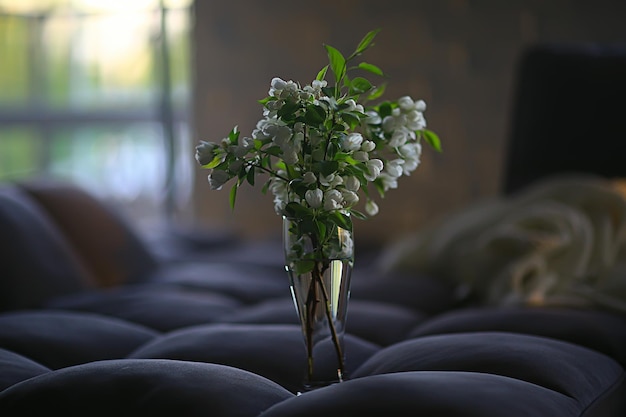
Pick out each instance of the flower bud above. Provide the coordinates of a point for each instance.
(314, 197)
(368, 146)
(309, 178)
(217, 179)
(205, 152)
(352, 183)
(373, 118)
(371, 208)
(278, 83)
(374, 166)
(360, 156)
(406, 103)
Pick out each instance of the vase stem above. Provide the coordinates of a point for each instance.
(320, 266)
(331, 324)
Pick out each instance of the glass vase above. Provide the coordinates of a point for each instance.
(319, 267)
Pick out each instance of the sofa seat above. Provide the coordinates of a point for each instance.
(217, 335)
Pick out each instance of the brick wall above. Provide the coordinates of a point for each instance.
(458, 55)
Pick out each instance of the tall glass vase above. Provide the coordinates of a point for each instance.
(319, 262)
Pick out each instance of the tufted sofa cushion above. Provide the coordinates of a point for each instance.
(32, 247)
(221, 337)
(143, 388)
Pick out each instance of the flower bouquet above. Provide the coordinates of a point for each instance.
(325, 153)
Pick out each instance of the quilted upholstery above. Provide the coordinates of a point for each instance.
(221, 337)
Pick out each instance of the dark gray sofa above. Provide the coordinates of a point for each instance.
(208, 334)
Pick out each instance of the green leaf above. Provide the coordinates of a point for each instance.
(233, 136)
(274, 150)
(265, 187)
(377, 92)
(320, 75)
(371, 68)
(288, 110)
(352, 120)
(315, 115)
(217, 159)
(337, 63)
(358, 214)
(250, 176)
(326, 167)
(378, 184)
(297, 211)
(366, 42)
(321, 229)
(233, 195)
(341, 220)
(432, 139)
(384, 109)
(360, 85)
(328, 91)
(303, 266)
(308, 226)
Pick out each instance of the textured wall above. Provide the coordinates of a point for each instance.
(458, 55)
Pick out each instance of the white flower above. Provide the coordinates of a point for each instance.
(374, 166)
(309, 178)
(368, 146)
(389, 124)
(314, 197)
(319, 84)
(351, 105)
(205, 152)
(389, 181)
(277, 85)
(243, 146)
(350, 197)
(352, 183)
(331, 180)
(332, 200)
(280, 134)
(290, 157)
(406, 103)
(394, 168)
(316, 87)
(351, 142)
(398, 138)
(280, 191)
(371, 208)
(411, 153)
(360, 156)
(415, 121)
(217, 179)
(409, 166)
(373, 118)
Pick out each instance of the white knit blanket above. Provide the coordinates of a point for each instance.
(561, 242)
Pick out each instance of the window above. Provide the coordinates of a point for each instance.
(97, 92)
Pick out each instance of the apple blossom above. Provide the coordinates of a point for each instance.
(217, 179)
(314, 197)
(205, 152)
